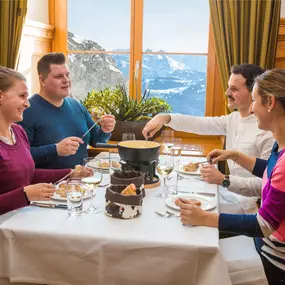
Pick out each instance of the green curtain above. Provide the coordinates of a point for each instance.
(244, 32)
(12, 19)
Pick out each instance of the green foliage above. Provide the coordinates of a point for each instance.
(118, 103)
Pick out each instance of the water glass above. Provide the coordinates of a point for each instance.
(74, 195)
(128, 137)
(115, 164)
(105, 164)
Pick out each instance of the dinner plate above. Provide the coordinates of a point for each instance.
(57, 196)
(181, 170)
(206, 202)
(96, 164)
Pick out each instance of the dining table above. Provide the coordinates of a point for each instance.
(48, 246)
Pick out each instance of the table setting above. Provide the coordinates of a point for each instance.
(136, 237)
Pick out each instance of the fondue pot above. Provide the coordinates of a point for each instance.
(139, 151)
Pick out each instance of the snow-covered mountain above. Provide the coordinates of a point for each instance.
(179, 79)
(91, 71)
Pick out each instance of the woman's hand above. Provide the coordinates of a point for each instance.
(221, 155)
(192, 214)
(39, 192)
(81, 171)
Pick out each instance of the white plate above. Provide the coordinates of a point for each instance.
(57, 197)
(206, 203)
(181, 170)
(96, 164)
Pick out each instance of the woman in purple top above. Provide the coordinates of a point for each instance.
(20, 182)
(268, 225)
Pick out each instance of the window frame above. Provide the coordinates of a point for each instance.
(214, 96)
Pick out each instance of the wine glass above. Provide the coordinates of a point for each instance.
(175, 151)
(165, 167)
(128, 137)
(167, 140)
(92, 182)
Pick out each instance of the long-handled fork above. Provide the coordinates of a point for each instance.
(95, 123)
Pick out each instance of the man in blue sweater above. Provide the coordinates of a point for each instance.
(55, 122)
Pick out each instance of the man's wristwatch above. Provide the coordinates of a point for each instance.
(226, 181)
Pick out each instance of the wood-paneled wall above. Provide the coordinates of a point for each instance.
(280, 53)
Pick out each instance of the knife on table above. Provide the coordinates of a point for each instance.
(49, 205)
(198, 193)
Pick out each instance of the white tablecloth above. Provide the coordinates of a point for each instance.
(40, 245)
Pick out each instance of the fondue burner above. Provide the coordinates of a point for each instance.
(151, 179)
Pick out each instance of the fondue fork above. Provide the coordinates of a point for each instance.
(201, 162)
(64, 177)
(95, 123)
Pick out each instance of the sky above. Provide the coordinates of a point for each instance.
(169, 25)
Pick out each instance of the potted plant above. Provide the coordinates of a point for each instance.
(131, 114)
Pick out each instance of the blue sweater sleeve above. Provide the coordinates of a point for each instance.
(240, 224)
(96, 134)
(40, 154)
(259, 167)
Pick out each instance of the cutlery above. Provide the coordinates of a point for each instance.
(95, 123)
(189, 177)
(201, 162)
(166, 215)
(173, 214)
(49, 205)
(57, 182)
(103, 185)
(198, 193)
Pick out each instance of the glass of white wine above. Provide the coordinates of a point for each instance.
(164, 167)
(92, 182)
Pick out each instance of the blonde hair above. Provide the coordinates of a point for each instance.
(8, 77)
(272, 82)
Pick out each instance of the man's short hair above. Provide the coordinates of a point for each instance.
(249, 72)
(48, 59)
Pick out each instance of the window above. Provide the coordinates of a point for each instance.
(159, 45)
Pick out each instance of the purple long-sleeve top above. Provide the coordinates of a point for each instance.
(17, 170)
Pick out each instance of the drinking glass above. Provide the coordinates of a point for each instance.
(105, 164)
(164, 167)
(167, 137)
(176, 150)
(128, 137)
(176, 153)
(115, 164)
(92, 182)
(74, 195)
